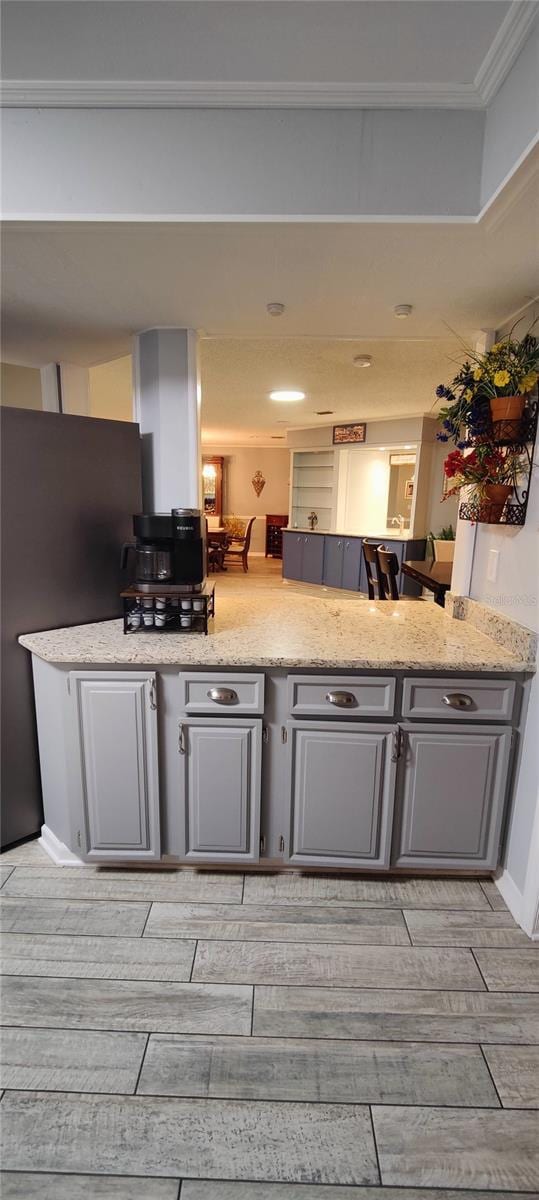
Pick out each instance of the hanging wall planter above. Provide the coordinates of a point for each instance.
(496, 497)
(507, 418)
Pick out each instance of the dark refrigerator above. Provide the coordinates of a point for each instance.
(68, 490)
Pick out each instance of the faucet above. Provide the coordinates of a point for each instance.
(399, 520)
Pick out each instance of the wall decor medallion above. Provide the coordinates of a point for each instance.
(258, 482)
(354, 433)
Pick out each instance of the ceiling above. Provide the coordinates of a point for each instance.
(238, 375)
(78, 293)
(324, 52)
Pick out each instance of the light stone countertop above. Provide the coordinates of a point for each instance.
(275, 629)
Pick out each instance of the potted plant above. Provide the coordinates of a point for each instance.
(487, 397)
(442, 544)
(490, 473)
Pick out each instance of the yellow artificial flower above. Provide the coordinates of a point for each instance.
(528, 382)
(478, 374)
(501, 378)
(495, 349)
(468, 394)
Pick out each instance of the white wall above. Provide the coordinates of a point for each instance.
(512, 118)
(240, 162)
(516, 594)
(239, 496)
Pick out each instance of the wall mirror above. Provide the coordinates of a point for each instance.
(401, 490)
(212, 489)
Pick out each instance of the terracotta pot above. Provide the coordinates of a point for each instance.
(506, 413)
(496, 496)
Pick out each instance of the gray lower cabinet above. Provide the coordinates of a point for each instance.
(303, 556)
(113, 766)
(341, 779)
(351, 563)
(452, 788)
(220, 781)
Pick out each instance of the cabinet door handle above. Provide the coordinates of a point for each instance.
(222, 695)
(397, 744)
(457, 700)
(182, 749)
(341, 699)
(153, 701)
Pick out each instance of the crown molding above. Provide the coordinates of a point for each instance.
(505, 48)
(16, 93)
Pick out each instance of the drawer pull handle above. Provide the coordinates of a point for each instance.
(222, 695)
(341, 699)
(457, 700)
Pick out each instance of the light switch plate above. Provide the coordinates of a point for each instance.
(492, 565)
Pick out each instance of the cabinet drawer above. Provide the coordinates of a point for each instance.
(459, 699)
(216, 692)
(322, 696)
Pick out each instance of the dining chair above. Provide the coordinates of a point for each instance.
(238, 547)
(389, 573)
(374, 579)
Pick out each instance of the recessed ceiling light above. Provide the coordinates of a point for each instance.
(285, 396)
(275, 308)
(362, 360)
(402, 311)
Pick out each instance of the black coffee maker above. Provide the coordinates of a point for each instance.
(170, 551)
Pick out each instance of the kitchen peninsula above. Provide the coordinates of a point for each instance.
(308, 732)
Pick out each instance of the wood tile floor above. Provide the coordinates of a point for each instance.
(183, 1035)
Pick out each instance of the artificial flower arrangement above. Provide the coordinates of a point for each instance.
(490, 471)
(489, 388)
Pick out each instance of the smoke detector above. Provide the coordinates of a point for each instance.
(402, 311)
(362, 360)
(275, 308)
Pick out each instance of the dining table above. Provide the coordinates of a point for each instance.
(431, 573)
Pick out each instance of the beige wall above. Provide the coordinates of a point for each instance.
(240, 499)
(20, 387)
(111, 390)
(440, 512)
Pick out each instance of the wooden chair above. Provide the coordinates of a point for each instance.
(241, 549)
(374, 579)
(389, 573)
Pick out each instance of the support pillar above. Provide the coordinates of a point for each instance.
(167, 408)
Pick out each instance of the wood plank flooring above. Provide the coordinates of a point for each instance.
(191, 1035)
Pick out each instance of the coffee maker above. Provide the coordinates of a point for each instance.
(169, 552)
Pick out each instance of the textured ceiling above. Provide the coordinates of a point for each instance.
(238, 374)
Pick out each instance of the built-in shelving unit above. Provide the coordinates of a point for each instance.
(312, 488)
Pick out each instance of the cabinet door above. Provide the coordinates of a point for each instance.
(220, 768)
(292, 554)
(313, 558)
(341, 781)
(333, 560)
(454, 783)
(351, 566)
(113, 764)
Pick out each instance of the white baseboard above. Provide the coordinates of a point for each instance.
(516, 904)
(57, 850)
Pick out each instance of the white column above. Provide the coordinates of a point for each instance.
(465, 535)
(50, 400)
(167, 408)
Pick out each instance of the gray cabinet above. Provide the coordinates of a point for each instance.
(452, 795)
(333, 561)
(292, 554)
(303, 556)
(351, 565)
(219, 788)
(341, 779)
(113, 768)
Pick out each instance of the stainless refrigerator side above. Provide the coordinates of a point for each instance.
(69, 487)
